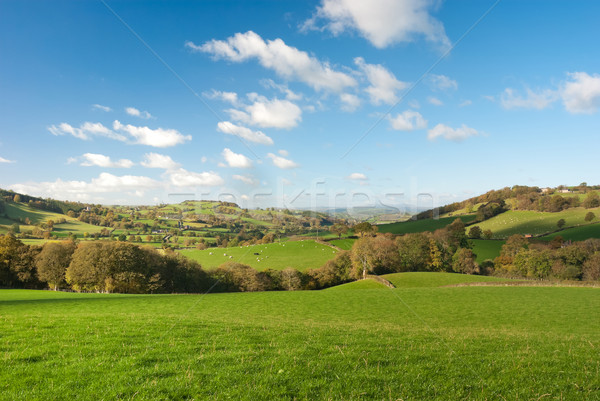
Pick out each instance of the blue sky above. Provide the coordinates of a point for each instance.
(326, 103)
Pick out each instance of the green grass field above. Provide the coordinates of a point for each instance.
(417, 226)
(345, 243)
(534, 223)
(487, 249)
(485, 343)
(577, 233)
(300, 255)
(427, 279)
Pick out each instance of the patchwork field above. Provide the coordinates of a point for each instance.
(300, 255)
(534, 223)
(415, 342)
(578, 233)
(417, 226)
(487, 249)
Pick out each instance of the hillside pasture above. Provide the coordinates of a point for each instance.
(417, 226)
(423, 343)
(487, 249)
(428, 279)
(300, 255)
(580, 233)
(534, 223)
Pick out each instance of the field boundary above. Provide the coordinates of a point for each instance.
(524, 283)
(380, 280)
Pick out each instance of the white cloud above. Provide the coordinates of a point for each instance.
(132, 111)
(268, 113)
(435, 101)
(283, 152)
(451, 134)
(95, 159)
(282, 162)
(81, 190)
(237, 160)
(184, 178)
(229, 128)
(229, 97)
(465, 103)
(408, 120)
(85, 131)
(533, 100)
(247, 179)
(3, 160)
(156, 160)
(289, 94)
(101, 108)
(350, 102)
(441, 82)
(357, 176)
(288, 62)
(581, 92)
(384, 84)
(381, 22)
(159, 138)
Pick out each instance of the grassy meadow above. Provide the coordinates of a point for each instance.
(300, 255)
(415, 342)
(535, 223)
(417, 226)
(487, 249)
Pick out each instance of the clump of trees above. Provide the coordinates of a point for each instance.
(553, 260)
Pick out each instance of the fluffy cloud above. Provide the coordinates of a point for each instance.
(383, 84)
(581, 92)
(533, 100)
(104, 183)
(435, 101)
(85, 131)
(441, 82)
(101, 108)
(381, 22)
(156, 160)
(287, 62)
(184, 178)
(3, 160)
(229, 128)
(408, 120)
(237, 160)
(282, 162)
(357, 177)
(283, 152)
(268, 113)
(95, 159)
(289, 94)
(132, 111)
(245, 179)
(451, 134)
(229, 97)
(349, 101)
(159, 138)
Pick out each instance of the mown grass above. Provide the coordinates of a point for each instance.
(417, 226)
(487, 249)
(409, 343)
(534, 223)
(300, 255)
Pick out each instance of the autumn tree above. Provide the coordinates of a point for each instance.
(561, 223)
(475, 232)
(589, 216)
(364, 228)
(52, 262)
(339, 229)
(463, 261)
(591, 200)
